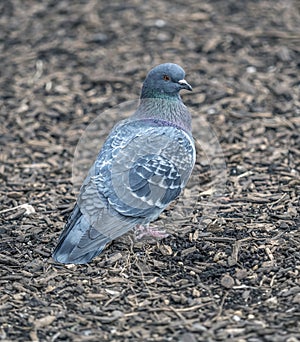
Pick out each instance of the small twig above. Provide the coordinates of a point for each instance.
(28, 209)
(221, 306)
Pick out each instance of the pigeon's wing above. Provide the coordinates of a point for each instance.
(142, 167)
(147, 166)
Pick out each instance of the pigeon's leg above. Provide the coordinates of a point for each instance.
(142, 231)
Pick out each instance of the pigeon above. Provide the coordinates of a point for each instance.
(143, 165)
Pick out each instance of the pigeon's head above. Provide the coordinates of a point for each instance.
(165, 80)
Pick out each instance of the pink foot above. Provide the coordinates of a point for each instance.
(142, 231)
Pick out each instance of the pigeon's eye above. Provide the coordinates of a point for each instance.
(166, 78)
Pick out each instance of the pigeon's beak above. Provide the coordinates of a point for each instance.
(185, 85)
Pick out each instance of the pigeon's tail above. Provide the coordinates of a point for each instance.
(79, 243)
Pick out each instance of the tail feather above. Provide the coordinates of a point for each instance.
(83, 239)
(79, 243)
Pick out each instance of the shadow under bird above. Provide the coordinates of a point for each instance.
(143, 165)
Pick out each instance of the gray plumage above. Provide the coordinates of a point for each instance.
(143, 165)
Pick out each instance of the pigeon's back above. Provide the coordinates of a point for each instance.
(142, 167)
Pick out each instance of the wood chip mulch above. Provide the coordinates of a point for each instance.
(230, 270)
